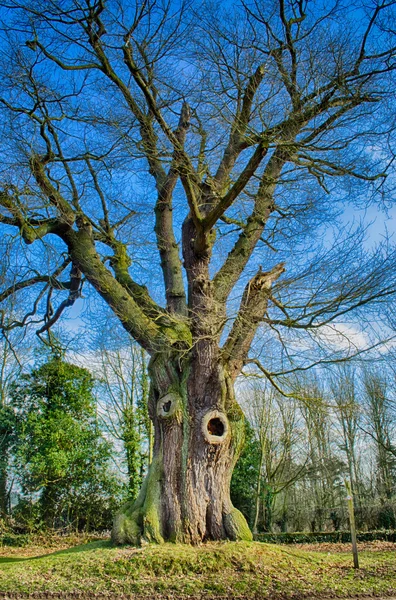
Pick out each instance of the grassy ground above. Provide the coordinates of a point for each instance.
(215, 569)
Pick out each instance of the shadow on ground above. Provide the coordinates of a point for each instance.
(83, 548)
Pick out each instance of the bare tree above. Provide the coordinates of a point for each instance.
(380, 426)
(348, 415)
(240, 128)
(124, 381)
(325, 469)
(281, 463)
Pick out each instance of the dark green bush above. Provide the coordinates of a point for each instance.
(388, 535)
(16, 540)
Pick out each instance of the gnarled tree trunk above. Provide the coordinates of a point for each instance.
(199, 426)
(199, 432)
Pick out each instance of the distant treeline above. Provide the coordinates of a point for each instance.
(76, 443)
(325, 428)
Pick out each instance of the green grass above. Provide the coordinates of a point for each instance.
(228, 569)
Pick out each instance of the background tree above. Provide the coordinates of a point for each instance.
(325, 467)
(125, 390)
(348, 414)
(9, 370)
(237, 130)
(380, 425)
(281, 458)
(61, 457)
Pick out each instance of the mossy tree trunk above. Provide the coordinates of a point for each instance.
(198, 424)
(199, 433)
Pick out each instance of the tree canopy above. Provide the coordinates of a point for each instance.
(61, 459)
(256, 121)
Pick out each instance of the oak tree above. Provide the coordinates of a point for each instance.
(233, 130)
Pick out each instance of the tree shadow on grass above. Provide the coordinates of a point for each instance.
(91, 546)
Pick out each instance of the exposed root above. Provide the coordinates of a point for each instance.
(140, 521)
(236, 526)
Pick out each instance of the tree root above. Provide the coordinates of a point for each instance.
(139, 522)
(236, 526)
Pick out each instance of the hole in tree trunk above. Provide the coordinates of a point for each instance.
(216, 427)
(166, 406)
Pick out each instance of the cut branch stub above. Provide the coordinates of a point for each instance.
(168, 405)
(215, 427)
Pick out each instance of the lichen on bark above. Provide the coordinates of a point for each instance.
(186, 494)
(140, 521)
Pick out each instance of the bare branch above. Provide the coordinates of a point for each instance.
(74, 293)
(251, 312)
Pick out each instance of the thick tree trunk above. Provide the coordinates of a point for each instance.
(199, 432)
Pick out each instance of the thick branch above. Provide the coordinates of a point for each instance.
(166, 241)
(150, 333)
(31, 229)
(244, 178)
(237, 259)
(238, 129)
(66, 213)
(120, 262)
(251, 312)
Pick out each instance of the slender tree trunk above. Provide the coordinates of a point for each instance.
(258, 492)
(48, 503)
(3, 485)
(199, 432)
(269, 507)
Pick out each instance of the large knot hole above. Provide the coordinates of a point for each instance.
(168, 405)
(215, 427)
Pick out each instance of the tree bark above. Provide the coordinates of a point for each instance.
(198, 424)
(199, 433)
(3, 486)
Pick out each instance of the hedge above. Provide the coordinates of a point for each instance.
(325, 536)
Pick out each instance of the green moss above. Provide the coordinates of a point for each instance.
(127, 525)
(28, 234)
(237, 527)
(152, 505)
(175, 411)
(237, 431)
(140, 520)
(126, 529)
(235, 413)
(232, 569)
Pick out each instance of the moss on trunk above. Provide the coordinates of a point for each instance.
(198, 438)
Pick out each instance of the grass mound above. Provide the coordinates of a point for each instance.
(234, 569)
